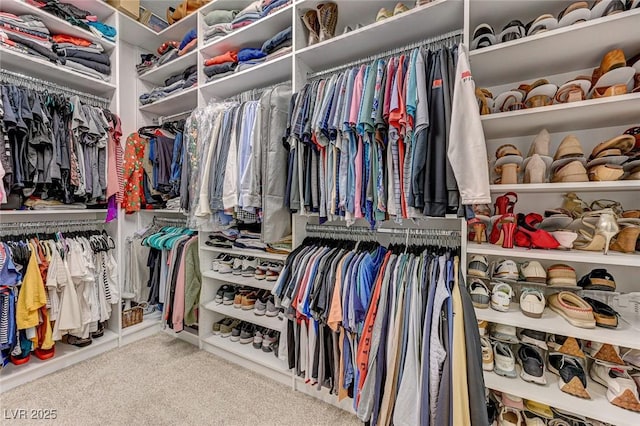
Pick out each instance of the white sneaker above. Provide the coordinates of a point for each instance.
(237, 266)
(632, 356)
(504, 361)
(509, 417)
(225, 268)
(478, 266)
(621, 388)
(249, 266)
(506, 269)
(533, 272)
(479, 293)
(501, 297)
(487, 354)
(532, 302)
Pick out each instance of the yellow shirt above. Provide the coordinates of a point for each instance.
(32, 296)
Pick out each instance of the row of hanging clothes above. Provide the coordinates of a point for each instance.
(370, 140)
(54, 287)
(153, 167)
(391, 327)
(61, 148)
(238, 163)
(163, 271)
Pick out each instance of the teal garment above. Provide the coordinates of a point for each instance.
(219, 17)
(365, 120)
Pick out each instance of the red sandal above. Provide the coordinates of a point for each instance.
(504, 204)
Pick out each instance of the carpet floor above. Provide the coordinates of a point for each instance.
(161, 380)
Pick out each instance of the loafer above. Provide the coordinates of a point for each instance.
(501, 297)
(533, 337)
(532, 302)
(621, 388)
(566, 345)
(479, 293)
(532, 365)
(604, 314)
(604, 352)
(573, 379)
(505, 364)
(572, 308)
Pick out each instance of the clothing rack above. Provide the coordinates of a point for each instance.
(164, 119)
(254, 94)
(167, 220)
(447, 38)
(49, 226)
(47, 86)
(442, 236)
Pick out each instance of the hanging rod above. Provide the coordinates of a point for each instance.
(339, 229)
(50, 225)
(44, 85)
(413, 232)
(164, 119)
(392, 52)
(178, 221)
(250, 95)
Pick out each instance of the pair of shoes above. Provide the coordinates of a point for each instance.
(571, 372)
(222, 259)
(321, 22)
(383, 13)
(598, 237)
(245, 266)
(225, 294)
(265, 305)
(621, 388)
(245, 298)
(243, 332)
(268, 271)
(528, 235)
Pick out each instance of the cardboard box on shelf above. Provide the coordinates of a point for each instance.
(129, 7)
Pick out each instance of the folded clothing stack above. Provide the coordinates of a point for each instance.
(188, 43)
(83, 56)
(148, 61)
(218, 23)
(278, 45)
(26, 34)
(168, 52)
(221, 65)
(249, 57)
(78, 17)
(177, 82)
(272, 6)
(248, 15)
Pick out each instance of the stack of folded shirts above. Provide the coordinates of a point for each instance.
(189, 42)
(148, 61)
(249, 57)
(218, 23)
(250, 243)
(26, 34)
(220, 65)
(278, 45)
(272, 6)
(168, 52)
(83, 56)
(224, 238)
(282, 246)
(76, 16)
(248, 15)
(184, 80)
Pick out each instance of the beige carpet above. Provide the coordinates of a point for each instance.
(164, 381)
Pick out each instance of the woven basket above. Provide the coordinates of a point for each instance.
(132, 316)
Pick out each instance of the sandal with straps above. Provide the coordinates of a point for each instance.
(504, 204)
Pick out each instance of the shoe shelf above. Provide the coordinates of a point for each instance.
(598, 258)
(44, 69)
(65, 356)
(536, 56)
(614, 186)
(54, 24)
(246, 252)
(174, 104)
(247, 351)
(625, 335)
(252, 35)
(598, 407)
(271, 72)
(417, 24)
(274, 323)
(589, 114)
(240, 280)
(159, 74)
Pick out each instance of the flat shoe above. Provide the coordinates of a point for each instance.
(572, 308)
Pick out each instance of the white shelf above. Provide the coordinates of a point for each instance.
(246, 252)
(160, 74)
(274, 71)
(420, 23)
(247, 351)
(582, 46)
(56, 25)
(240, 280)
(274, 323)
(151, 320)
(551, 322)
(615, 186)
(178, 102)
(52, 211)
(598, 407)
(588, 114)
(613, 258)
(253, 35)
(58, 74)
(65, 356)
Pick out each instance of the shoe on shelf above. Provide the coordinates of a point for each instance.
(573, 379)
(535, 170)
(383, 14)
(604, 314)
(604, 352)
(572, 308)
(505, 203)
(247, 333)
(539, 409)
(478, 266)
(221, 292)
(249, 301)
(216, 328)
(567, 345)
(236, 269)
(273, 272)
(483, 327)
(225, 267)
(532, 302)
(223, 258)
(239, 296)
(501, 297)
(76, 341)
(260, 307)
(237, 331)
(561, 275)
(226, 328)
(229, 296)
(478, 233)
(531, 419)
(506, 269)
(483, 36)
(505, 363)
(504, 333)
(532, 365)
(272, 309)
(631, 357)
(529, 236)
(533, 337)
(400, 8)
(621, 388)
(249, 266)
(599, 238)
(479, 293)
(310, 20)
(487, 354)
(327, 19)
(598, 279)
(532, 271)
(269, 339)
(509, 417)
(261, 271)
(627, 240)
(258, 337)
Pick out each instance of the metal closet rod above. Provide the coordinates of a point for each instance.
(339, 229)
(14, 77)
(164, 119)
(178, 221)
(392, 52)
(413, 232)
(251, 94)
(52, 223)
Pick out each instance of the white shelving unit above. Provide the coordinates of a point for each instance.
(274, 323)
(245, 252)
(240, 280)
(160, 74)
(612, 186)
(183, 100)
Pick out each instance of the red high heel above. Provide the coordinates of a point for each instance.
(529, 236)
(504, 204)
(503, 230)
(478, 235)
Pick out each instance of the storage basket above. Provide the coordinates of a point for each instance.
(132, 316)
